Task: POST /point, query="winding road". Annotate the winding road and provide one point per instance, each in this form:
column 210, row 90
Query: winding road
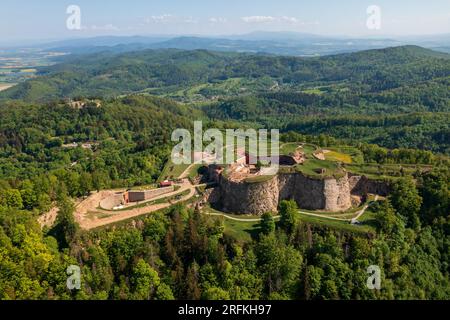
column 352, row 220
column 236, row 219
column 86, row 213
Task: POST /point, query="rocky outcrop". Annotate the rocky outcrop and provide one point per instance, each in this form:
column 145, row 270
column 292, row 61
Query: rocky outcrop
column 328, row 194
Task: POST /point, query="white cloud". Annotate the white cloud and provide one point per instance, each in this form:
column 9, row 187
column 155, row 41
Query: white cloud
column 170, row 18
column 264, row 19
column 258, row 19
column 289, row 19
column 190, row 20
column 106, row 27
column 161, row 18
column 217, row 20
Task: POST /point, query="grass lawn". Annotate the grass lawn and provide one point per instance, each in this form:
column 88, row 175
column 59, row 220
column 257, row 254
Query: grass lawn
column 369, row 219
column 145, row 187
column 355, row 154
column 385, row 171
column 193, row 172
column 259, row 179
column 291, row 147
column 339, row 214
column 309, row 167
column 246, row 231
column 337, row 156
column 335, row 224
column 172, row 171
column 316, row 91
column 241, row 231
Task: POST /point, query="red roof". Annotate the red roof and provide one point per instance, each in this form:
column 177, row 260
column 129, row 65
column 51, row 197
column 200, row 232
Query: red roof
column 166, row 183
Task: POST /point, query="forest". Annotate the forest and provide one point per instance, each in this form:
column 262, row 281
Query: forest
column 396, row 97
column 392, row 105
column 180, row 254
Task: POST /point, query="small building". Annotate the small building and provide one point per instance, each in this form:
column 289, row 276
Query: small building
column 165, row 183
column 136, row 196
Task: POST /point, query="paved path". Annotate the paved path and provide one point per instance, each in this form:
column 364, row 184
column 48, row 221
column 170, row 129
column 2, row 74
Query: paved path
column 360, row 213
column 352, row 220
column 236, row 219
column 322, row 216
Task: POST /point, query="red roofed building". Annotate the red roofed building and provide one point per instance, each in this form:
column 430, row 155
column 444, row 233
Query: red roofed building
column 165, row 183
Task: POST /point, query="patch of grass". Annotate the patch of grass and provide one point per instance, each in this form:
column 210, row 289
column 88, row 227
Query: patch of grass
column 242, row 231
column 193, row 172
column 126, row 222
column 335, row 224
column 239, row 230
column 310, row 167
column 291, row 147
column 385, row 171
column 355, row 154
column 172, row 171
column 369, row 219
column 208, row 208
column 338, row 156
column 337, row 214
column 145, row 187
column 201, row 190
column 259, row 179
column 316, row 91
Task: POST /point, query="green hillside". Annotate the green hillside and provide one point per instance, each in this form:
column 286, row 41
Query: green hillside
column 107, row 74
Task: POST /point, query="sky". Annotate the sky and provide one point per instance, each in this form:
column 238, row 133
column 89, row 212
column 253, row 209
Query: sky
column 47, row 19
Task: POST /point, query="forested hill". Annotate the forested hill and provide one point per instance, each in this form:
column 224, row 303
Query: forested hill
column 126, row 139
column 107, row 74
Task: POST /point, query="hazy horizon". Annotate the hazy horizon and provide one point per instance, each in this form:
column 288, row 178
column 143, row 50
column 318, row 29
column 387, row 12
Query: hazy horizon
column 22, row 20
column 38, row 41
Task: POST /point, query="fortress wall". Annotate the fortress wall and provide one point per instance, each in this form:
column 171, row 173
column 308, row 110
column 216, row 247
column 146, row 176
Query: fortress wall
column 308, row 193
column 135, row 196
column 361, row 185
column 337, row 194
column 248, row 198
column 328, row 194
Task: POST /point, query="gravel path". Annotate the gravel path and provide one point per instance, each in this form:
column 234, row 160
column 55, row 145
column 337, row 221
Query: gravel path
column 90, row 205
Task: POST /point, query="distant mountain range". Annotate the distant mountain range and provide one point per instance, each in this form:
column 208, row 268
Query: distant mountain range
column 278, row 43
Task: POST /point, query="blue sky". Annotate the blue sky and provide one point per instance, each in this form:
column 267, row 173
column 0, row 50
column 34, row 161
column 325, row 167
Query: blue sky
column 46, row 19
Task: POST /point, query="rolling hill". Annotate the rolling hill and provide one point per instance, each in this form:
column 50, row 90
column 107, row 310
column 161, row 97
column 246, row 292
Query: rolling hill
column 108, row 74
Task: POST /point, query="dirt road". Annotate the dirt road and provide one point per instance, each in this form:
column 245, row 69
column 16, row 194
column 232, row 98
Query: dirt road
column 89, row 216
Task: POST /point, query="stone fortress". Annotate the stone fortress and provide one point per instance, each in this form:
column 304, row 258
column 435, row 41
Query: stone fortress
column 243, row 189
